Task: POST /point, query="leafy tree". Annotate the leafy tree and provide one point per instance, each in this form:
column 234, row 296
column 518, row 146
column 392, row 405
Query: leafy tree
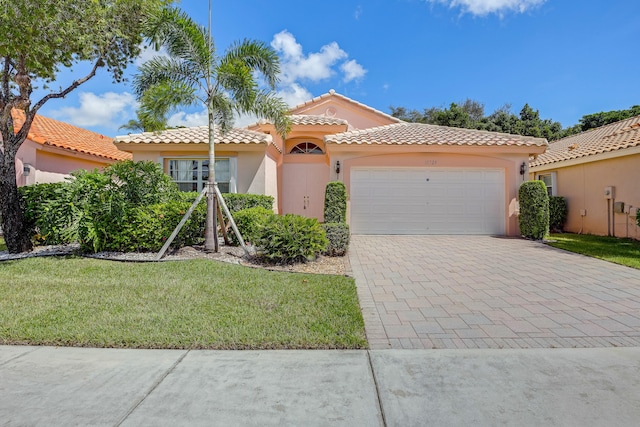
column 194, row 73
column 470, row 115
column 39, row 38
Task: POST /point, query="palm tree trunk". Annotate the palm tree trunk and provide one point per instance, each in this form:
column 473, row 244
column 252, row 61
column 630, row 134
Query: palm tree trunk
column 211, row 228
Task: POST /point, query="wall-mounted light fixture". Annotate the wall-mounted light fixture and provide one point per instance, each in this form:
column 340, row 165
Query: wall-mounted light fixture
column 338, row 167
column 523, row 168
column 26, row 170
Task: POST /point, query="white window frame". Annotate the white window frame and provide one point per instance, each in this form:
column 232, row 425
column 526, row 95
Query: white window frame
column 233, row 171
column 552, row 188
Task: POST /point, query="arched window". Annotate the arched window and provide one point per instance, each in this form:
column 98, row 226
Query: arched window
column 306, row 148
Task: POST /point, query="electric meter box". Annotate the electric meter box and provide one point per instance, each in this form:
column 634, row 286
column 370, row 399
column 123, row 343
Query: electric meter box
column 609, row 192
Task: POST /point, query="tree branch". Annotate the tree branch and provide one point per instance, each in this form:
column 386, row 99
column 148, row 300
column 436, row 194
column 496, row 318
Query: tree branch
column 32, row 112
column 99, row 63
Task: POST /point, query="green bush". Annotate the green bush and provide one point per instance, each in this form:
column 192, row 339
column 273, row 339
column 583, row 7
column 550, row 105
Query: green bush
column 148, row 227
column 338, row 237
column 534, row 210
column 557, row 213
column 291, row 238
column 93, row 208
column 250, row 223
column 237, row 202
column 335, row 202
column 37, row 198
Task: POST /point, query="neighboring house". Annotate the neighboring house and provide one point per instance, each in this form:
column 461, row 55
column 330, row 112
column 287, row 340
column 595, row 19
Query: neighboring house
column 53, row 149
column 402, row 178
column 596, row 170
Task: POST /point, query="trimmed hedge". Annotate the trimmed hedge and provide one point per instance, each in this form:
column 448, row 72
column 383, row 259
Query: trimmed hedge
column 335, row 202
column 534, row 210
column 237, row 202
column 148, row 227
column 557, row 213
column 338, row 236
column 250, row 223
column 291, row 238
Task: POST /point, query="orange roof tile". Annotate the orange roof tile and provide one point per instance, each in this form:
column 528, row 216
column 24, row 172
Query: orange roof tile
column 195, row 135
column 54, row 133
column 423, row 134
column 611, row 137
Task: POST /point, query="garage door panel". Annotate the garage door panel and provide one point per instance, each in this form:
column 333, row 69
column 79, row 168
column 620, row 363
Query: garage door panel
column 427, row 201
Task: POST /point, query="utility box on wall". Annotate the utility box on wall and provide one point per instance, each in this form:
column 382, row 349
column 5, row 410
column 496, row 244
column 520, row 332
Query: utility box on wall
column 609, row 192
column 618, row 207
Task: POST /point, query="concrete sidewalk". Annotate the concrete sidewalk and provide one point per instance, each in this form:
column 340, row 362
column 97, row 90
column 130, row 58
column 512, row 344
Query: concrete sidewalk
column 80, row 386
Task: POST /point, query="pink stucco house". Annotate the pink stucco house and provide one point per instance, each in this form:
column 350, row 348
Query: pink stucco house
column 598, row 172
column 402, row 178
column 53, row 149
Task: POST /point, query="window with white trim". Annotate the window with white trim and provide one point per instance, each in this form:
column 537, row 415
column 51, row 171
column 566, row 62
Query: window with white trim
column 192, row 174
column 549, row 180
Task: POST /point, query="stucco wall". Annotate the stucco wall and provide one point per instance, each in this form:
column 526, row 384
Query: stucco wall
column 357, row 116
column 583, row 186
column 50, row 164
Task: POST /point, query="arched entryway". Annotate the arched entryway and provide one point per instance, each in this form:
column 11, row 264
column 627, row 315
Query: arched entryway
column 305, row 174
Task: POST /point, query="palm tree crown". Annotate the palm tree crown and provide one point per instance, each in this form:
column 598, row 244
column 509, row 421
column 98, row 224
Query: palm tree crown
column 194, row 74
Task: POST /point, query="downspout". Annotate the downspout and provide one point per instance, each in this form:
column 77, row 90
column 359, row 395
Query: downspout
column 613, row 217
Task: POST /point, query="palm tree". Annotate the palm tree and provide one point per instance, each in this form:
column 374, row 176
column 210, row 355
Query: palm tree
column 193, row 73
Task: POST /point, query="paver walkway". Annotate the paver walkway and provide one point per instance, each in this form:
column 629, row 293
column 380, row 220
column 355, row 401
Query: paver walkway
column 486, row 292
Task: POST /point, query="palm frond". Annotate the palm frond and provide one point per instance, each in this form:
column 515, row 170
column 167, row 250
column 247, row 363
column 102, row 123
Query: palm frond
column 183, row 38
column 258, row 56
column 273, row 108
column 162, row 69
column 223, row 106
column 161, row 99
column 237, row 79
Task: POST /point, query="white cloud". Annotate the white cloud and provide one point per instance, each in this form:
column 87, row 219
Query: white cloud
column 99, row 110
column 296, row 65
column 352, row 70
column 358, row 12
column 485, row 7
column 147, row 53
column 294, row 95
column 199, row 118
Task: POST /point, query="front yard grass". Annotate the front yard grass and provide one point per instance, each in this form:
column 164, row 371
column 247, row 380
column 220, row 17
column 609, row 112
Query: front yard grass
column 3, row 246
column 613, row 249
column 199, row 304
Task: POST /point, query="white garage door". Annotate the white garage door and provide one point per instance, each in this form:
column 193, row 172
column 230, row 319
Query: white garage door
column 427, row 201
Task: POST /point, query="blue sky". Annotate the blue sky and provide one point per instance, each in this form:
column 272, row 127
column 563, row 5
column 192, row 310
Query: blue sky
column 565, row 58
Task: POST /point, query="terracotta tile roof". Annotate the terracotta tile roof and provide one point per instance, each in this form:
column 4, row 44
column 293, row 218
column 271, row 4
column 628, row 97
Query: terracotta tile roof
column 195, row 135
column 423, row 134
column 333, row 93
column 54, row 133
column 308, row 120
column 303, row 119
column 612, row 137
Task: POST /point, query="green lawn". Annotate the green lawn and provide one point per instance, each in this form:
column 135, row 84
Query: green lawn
column 620, row 251
column 186, row 304
column 3, row 247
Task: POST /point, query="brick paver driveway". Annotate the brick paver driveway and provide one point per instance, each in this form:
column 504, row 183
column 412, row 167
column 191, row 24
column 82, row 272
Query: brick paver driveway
column 487, row 292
